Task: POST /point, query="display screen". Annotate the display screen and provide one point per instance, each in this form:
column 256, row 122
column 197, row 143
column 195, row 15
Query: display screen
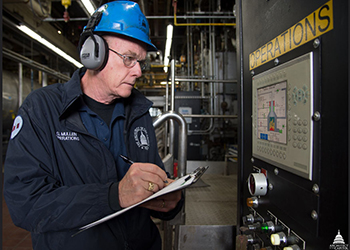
column 271, row 113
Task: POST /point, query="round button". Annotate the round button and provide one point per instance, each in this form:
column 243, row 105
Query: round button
column 275, row 239
column 257, row 184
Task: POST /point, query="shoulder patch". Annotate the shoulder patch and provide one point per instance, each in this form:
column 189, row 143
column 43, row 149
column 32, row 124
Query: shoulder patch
column 17, row 126
column 141, row 138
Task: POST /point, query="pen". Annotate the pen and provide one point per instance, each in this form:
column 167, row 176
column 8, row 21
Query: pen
column 127, row 160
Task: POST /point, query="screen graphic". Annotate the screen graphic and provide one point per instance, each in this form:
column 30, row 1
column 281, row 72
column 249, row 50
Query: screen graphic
column 271, row 111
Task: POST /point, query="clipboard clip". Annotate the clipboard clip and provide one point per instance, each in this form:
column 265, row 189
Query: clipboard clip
column 198, row 173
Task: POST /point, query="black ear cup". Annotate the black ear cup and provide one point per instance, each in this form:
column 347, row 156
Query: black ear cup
column 94, row 53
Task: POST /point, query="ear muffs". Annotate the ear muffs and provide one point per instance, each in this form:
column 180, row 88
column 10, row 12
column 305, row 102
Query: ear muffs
column 94, row 53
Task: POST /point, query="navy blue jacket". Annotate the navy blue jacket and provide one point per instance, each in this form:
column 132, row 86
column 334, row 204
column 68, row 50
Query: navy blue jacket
column 58, row 176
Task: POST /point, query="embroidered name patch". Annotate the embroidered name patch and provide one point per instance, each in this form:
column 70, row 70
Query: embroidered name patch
column 67, row 136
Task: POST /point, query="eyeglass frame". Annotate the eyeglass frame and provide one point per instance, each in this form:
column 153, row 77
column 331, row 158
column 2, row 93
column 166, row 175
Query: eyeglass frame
column 142, row 63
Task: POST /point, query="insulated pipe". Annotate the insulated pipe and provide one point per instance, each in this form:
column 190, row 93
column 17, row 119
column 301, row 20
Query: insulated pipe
column 182, row 157
column 20, row 84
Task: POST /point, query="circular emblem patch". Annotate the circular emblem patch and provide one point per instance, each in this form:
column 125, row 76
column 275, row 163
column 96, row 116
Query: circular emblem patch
column 17, row 125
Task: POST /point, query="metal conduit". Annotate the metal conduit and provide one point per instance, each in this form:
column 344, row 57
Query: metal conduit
column 182, row 157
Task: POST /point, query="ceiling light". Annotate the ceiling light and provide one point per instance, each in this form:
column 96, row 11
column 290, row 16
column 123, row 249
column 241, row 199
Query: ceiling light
column 169, row 38
column 89, row 6
column 49, row 45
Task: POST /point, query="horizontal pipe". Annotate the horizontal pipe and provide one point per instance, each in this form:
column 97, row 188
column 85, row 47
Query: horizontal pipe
column 32, row 64
column 203, row 80
column 50, row 19
column 210, row 116
column 197, row 24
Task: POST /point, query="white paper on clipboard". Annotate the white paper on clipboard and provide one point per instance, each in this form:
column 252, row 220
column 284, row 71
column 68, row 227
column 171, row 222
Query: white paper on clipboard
column 178, row 184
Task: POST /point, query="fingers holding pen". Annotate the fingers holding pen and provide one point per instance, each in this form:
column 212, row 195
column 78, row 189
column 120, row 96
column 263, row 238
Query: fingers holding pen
column 141, row 181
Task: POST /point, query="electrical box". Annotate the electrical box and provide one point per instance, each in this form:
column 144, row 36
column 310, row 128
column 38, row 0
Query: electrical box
column 293, row 189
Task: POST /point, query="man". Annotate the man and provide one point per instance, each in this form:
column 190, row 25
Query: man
column 63, row 170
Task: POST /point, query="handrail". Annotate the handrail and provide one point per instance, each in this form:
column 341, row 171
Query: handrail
column 182, row 152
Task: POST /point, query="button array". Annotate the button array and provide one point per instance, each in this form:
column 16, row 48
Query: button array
column 299, row 133
column 272, row 150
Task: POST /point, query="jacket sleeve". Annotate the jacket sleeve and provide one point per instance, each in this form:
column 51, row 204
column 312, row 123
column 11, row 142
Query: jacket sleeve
column 37, row 199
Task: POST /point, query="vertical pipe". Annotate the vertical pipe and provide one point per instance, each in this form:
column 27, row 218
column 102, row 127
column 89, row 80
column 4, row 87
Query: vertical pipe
column 172, row 106
column 202, row 63
column 20, row 84
column 241, row 152
column 1, row 119
column 189, row 61
column 192, row 55
column 44, row 79
column 165, row 138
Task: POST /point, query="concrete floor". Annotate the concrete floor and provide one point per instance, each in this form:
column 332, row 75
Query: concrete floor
column 214, row 204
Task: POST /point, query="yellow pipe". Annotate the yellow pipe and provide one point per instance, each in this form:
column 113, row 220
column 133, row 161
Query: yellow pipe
column 197, row 24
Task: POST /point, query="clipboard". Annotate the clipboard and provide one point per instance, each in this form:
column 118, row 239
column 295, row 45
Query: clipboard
column 178, row 184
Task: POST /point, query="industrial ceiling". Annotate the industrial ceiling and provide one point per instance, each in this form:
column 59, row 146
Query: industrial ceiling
column 48, row 18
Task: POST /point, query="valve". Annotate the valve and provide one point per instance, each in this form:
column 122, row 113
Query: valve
column 251, row 239
column 251, row 219
column 66, row 4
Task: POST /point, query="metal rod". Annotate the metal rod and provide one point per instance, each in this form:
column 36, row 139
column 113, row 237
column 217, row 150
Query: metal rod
column 204, row 80
column 210, row 116
column 50, row 19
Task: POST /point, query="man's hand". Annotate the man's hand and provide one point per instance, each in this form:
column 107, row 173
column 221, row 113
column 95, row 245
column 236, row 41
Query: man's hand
column 135, row 186
column 164, row 203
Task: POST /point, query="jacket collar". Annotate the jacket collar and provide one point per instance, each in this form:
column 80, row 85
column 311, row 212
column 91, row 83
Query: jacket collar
column 135, row 105
column 72, row 91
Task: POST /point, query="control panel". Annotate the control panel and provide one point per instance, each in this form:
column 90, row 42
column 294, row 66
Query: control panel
column 282, row 111
column 267, row 232
column 264, row 230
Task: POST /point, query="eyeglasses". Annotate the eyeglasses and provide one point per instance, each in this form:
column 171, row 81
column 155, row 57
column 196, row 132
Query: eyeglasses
column 130, row 61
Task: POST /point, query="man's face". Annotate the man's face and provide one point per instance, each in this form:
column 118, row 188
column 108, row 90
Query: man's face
column 116, row 78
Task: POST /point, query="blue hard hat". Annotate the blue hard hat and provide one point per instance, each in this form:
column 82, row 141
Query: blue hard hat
column 125, row 18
